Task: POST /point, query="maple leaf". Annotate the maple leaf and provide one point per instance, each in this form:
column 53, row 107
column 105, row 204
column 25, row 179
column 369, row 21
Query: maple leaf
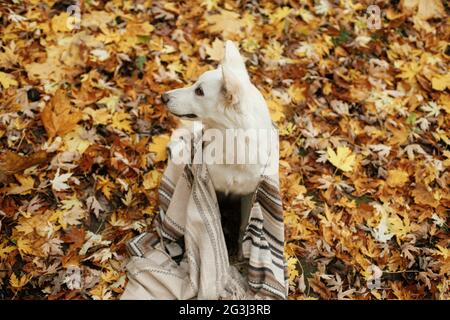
column 52, row 247
column 110, row 275
column 72, row 278
column 75, row 236
column 99, row 116
column 7, row 80
column 60, row 23
column 216, row 51
column 159, row 147
column 121, row 121
column 342, row 159
column 93, row 204
column 226, row 22
column 292, row 269
column 17, row 283
column 100, row 292
column 397, row 178
column 11, row 162
column 58, row 116
column 25, row 187
column 426, row 9
column 101, row 256
column 59, row 181
column 74, row 141
column 72, row 213
column 151, row 179
column 24, row 246
column 92, row 239
column 441, row 82
column 276, row 109
column 105, row 185
column 5, row 250
column 210, row 4
column 128, row 198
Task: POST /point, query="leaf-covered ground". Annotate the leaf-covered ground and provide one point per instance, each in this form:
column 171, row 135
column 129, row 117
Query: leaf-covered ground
column 363, row 113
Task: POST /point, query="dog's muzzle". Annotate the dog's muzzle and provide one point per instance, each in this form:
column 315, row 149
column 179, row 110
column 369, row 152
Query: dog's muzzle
column 166, row 98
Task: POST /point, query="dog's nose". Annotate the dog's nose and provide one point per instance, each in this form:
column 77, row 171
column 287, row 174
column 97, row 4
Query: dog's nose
column 165, row 97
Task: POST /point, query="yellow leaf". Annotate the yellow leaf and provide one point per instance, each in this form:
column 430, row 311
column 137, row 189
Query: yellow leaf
column 292, row 269
column 250, row 44
column 99, row 116
column 276, row 109
column 216, row 51
column 105, row 185
column 443, row 251
column 18, row 283
column 24, row 246
column 430, row 9
column 226, row 22
column 279, row 14
column 342, row 159
column 158, row 146
column 110, row 276
column 176, row 66
column 441, row 82
column 5, row 250
column 296, row 93
column 446, row 162
column 121, row 121
column 151, row 179
column 60, row 23
column 397, row 178
column 210, row 4
column 74, row 142
column 25, row 187
column 7, row 80
column 327, row 88
column 111, row 102
column 397, row 226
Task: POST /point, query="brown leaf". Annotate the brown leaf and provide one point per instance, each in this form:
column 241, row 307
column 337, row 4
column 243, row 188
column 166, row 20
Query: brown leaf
column 75, row 236
column 58, row 116
column 320, row 288
column 11, row 163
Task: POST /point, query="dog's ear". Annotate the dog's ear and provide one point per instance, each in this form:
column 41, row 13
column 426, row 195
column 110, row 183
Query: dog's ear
column 234, row 73
column 231, row 85
column 233, row 59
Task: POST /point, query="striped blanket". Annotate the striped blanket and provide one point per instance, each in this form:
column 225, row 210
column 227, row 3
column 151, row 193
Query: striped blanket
column 186, row 258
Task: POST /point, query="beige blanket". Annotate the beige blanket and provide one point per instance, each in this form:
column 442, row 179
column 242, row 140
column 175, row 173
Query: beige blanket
column 187, row 256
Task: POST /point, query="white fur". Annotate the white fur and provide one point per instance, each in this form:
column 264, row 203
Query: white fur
column 230, row 101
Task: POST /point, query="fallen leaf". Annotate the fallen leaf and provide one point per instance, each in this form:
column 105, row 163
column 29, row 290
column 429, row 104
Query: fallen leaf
column 159, row 147
column 343, row 159
column 7, row 80
column 59, row 181
column 397, row 178
column 58, row 116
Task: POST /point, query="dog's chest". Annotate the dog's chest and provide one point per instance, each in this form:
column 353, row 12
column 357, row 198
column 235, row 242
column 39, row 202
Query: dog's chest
column 235, row 179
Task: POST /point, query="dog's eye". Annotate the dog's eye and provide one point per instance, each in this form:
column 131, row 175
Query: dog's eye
column 199, row 91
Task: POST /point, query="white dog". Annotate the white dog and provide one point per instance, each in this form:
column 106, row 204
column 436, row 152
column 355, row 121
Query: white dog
column 223, row 99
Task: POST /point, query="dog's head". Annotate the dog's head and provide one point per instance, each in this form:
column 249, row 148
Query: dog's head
column 214, row 92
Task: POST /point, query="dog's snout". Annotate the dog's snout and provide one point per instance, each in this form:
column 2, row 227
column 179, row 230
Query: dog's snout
column 165, row 97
